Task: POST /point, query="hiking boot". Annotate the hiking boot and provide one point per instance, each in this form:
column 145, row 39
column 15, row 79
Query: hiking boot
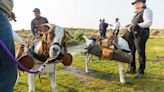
column 138, row 75
column 130, row 71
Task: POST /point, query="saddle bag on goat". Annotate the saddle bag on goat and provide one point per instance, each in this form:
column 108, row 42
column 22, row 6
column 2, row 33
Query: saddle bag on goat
column 105, row 42
column 67, row 60
column 121, row 56
column 24, row 59
column 111, row 54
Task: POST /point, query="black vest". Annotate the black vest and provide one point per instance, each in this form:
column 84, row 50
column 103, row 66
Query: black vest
column 138, row 18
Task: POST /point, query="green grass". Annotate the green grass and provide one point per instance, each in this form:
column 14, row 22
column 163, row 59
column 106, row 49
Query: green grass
column 104, row 76
column 155, row 47
column 108, row 71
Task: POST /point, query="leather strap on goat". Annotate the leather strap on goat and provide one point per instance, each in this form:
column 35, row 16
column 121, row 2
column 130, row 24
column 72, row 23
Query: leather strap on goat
column 35, row 55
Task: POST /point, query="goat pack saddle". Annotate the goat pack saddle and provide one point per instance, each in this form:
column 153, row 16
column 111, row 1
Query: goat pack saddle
column 102, row 50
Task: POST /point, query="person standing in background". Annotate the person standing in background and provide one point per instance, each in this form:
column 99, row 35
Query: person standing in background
column 36, row 23
column 8, row 69
column 12, row 17
column 116, row 27
column 103, row 28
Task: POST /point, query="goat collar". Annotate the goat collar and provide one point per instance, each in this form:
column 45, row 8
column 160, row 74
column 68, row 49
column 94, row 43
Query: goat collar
column 38, row 57
column 43, row 59
column 56, row 44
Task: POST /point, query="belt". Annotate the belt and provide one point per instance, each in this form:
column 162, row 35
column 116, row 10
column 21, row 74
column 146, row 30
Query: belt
column 4, row 13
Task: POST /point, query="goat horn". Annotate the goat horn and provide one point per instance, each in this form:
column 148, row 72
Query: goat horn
column 48, row 25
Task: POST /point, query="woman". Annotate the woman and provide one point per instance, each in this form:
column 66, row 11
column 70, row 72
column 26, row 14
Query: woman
column 140, row 26
column 15, row 35
column 8, row 69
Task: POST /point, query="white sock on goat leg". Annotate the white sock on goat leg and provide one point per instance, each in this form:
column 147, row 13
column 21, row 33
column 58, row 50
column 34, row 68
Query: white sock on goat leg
column 53, row 79
column 121, row 72
column 31, row 82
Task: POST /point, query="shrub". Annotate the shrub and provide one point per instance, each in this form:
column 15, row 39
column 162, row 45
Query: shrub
column 78, row 35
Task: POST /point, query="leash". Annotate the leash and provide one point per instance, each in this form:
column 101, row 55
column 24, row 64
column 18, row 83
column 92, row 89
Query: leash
column 42, row 67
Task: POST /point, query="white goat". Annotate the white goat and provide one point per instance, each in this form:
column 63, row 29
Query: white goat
column 122, row 44
column 56, row 48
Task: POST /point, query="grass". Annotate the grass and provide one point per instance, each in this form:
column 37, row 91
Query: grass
column 104, row 76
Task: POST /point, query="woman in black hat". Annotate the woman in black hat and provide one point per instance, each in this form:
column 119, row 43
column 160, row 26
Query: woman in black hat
column 141, row 23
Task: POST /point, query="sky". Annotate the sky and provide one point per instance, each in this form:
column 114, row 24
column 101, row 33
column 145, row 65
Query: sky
column 83, row 13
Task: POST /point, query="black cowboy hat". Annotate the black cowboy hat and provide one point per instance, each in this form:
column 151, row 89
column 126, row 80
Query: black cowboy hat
column 143, row 1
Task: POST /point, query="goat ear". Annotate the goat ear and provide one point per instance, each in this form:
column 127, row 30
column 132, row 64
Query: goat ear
column 43, row 48
column 44, row 37
column 48, row 25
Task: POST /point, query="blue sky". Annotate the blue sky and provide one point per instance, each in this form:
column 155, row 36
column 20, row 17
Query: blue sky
column 82, row 13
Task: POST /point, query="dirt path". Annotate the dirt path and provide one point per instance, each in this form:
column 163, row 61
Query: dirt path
column 81, row 74
column 74, row 50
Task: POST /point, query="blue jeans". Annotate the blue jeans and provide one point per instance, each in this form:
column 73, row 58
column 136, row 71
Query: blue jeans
column 8, row 69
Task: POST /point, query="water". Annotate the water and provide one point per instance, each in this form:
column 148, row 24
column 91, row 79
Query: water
column 76, row 49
